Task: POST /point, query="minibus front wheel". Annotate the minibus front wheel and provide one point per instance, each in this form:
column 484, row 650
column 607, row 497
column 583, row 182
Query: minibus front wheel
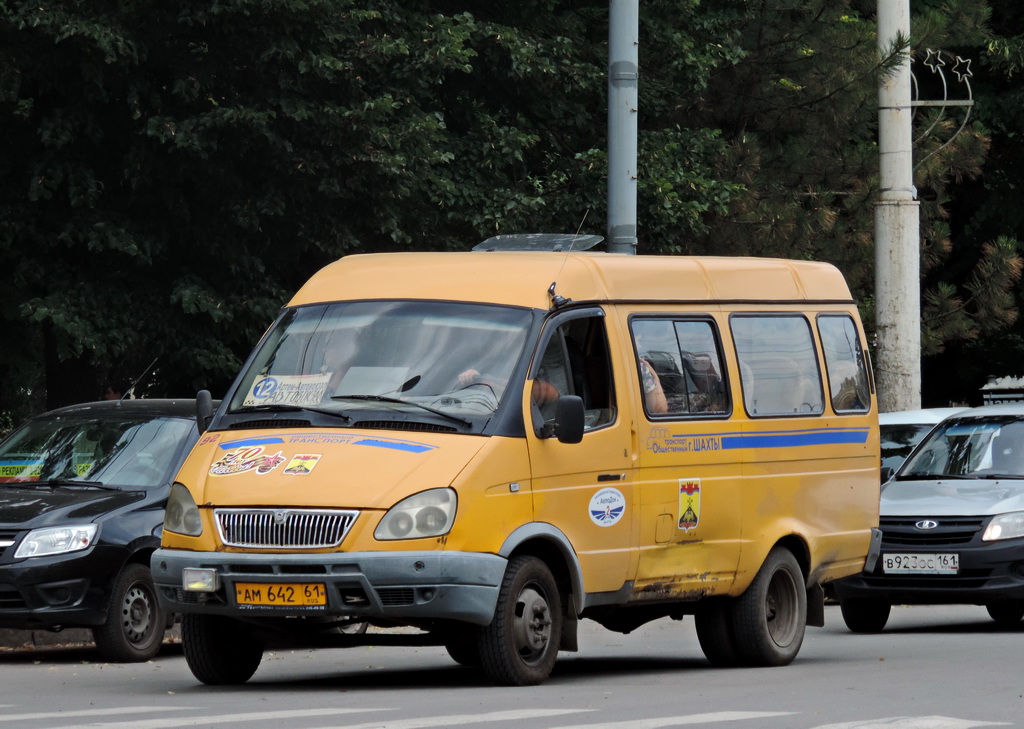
column 520, row 645
column 770, row 618
column 219, row 650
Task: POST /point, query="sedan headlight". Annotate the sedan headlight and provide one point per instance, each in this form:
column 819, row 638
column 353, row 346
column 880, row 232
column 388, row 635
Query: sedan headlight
column 1004, row 526
column 57, row 540
column 426, row 514
column 182, row 515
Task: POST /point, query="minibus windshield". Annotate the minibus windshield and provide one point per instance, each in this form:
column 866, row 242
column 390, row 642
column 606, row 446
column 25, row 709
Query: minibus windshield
column 395, row 356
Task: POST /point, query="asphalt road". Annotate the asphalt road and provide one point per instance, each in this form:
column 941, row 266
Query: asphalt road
column 944, row 667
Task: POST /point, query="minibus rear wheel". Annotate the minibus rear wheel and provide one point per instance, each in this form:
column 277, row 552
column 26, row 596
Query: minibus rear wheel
column 770, row 618
column 714, row 624
column 220, row 651
column 520, row 645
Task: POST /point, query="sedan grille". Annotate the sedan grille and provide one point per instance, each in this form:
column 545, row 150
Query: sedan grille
column 283, row 528
column 950, row 530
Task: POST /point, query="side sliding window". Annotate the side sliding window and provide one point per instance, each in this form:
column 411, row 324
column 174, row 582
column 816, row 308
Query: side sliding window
column 778, row 364
column 679, row 367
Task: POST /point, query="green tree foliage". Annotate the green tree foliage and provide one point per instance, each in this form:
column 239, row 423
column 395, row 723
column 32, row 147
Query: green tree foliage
column 173, row 172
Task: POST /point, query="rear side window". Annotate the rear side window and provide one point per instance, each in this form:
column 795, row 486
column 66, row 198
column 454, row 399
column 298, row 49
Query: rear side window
column 846, row 364
column 778, row 365
column 679, row 365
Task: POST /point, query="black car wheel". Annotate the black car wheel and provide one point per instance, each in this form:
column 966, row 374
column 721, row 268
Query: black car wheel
column 1008, row 612
column 865, row 614
column 135, row 623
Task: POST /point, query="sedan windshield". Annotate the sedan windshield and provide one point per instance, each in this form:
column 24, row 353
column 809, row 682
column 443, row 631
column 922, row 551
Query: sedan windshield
column 92, row 449
column 432, row 358
column 988, row 447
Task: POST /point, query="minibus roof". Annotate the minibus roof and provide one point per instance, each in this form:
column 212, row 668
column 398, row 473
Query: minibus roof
column 522, row 278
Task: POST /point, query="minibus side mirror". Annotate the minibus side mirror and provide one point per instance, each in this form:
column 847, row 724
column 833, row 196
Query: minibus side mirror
column 887, row 473
column 204, row 410
column 569, row 419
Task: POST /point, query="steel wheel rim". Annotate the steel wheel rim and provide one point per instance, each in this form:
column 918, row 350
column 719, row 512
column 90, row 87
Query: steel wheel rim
column 531, row 624
column 780, row 608
column 137, row 614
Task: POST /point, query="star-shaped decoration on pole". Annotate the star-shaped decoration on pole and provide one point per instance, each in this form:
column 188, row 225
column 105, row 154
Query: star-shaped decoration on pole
column 933, row 60
column 962, row 69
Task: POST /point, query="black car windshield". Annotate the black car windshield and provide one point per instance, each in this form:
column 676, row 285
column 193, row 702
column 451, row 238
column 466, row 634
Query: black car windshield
column 396, row 356
column 111, row 448
column 974, row 447
column 899, row 440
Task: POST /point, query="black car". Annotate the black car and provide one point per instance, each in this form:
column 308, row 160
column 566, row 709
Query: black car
column 952, row 521
column 82, row 494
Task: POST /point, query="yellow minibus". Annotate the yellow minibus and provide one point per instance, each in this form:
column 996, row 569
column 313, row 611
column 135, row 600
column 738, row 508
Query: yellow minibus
column 482, row 448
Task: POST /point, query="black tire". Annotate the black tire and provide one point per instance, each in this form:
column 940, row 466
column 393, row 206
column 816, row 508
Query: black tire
column 220, row 651
column 135, row 625
column 1008, row 612
column 520, row 645
column 714, row 623
column 770, row 618
column 463, row 646
column 865, row 614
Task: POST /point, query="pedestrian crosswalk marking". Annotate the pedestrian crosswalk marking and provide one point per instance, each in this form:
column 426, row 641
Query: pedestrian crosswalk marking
column 112, row 711
column 681, row 720
column 912, row 722
column 208, row 720
column 427, row 722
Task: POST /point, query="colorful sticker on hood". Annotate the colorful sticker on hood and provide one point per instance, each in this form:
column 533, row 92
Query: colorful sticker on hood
column 607, row 507
column 302, row 464
column 689, row 503
column 243, row 460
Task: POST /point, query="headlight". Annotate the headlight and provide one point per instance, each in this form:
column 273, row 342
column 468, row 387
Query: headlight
column 1004, row 526
column 57, row 540
column 182, row 515
column 426, row 514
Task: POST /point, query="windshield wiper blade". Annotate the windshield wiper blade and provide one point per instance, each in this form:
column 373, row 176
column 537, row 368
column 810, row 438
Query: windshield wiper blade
column 996, row 476
column 72, row 483
column 931, row 476
column 399, row 401
column 289, row 409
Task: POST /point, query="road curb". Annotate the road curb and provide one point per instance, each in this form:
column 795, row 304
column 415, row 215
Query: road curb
column 29, row 639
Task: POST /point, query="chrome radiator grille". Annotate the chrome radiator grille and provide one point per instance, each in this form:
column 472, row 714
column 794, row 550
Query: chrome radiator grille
column 283, row 528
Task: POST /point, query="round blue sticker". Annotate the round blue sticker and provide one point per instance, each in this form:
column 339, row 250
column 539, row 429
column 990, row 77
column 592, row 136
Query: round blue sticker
column 607, row 507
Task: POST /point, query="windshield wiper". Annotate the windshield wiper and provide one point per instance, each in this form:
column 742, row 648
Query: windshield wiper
column 288, row 409
column 931, row 476
column 72, row 483
column 998, row 475
column 398, row 401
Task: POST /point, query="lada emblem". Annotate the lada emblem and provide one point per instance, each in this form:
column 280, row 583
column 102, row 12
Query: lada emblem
column 280, row 517
column 926, row 524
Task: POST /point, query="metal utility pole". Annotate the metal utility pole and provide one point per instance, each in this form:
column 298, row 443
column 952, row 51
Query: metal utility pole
column 897, row 225
column 623, row 65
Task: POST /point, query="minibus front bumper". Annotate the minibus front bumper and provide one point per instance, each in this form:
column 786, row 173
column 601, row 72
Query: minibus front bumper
column 459, row 586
